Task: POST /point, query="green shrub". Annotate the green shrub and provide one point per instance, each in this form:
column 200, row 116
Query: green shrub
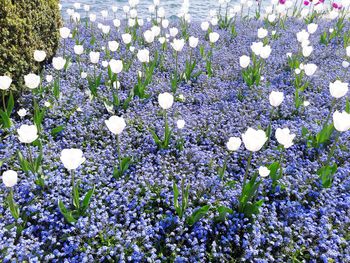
column 27, row 25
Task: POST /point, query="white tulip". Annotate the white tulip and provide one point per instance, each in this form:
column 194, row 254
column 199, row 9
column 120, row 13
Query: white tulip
column 244, row 61
column 5, row 82
column 256, row 47
column 307, row 50
column 83, row 75
column 131, row 22
column 193, row 41
column 348, row 51
column 205, row 26
column 116, row 66
column 94, row 57
column 32, row 81
column 148, row 36
column 180, row 124
column 86, row 8
column 22, row 112
column 311, row 28
column 165, row 23
column 276, row 98
column 113, row 45
column 39, row 55
column 143, row 55
column 126, row 38
column 338, row 89
column 58, row 63
column 310, row 69
column 78, row 49
column 271, row 18
column 27, row 133
column 92, row 17
column 306, row 103
column 47, row 104
column 64, row 32
column 173, row 31
column 233, row 143
column 9, row 178
column 264, row 171
column 262, row 32
column 254, row 140
column 341, row 121
column 116, row 22
column 165, row 100
column 105, row 63
column 178, row 44
column 72, row 158
column 213, row 37
column 104, row 13
column 302, row 36
column 345, row 64
column 265, row 52
column 284, row 137
column 115, row 124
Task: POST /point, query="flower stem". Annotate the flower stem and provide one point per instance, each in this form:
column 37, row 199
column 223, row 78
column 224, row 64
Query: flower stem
column 247, row 168
column 118, row 151
column 331, row 152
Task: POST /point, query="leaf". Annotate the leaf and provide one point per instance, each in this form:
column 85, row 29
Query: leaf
column 23, row 162
column 176, row 200
column 87, row 199
column 6, row 121
column 57, row 130
column 197, row 215
column 75, row 193
column 67, row 214
column 155, row 137
column 223, row 211
column 10, row 104
column 324, row 135
column 125, row 164
column 326, row 174
column 12, row 205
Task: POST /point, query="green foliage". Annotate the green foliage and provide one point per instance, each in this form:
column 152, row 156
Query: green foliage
column 326, row 174
column 24, row 27
column 79, row 207
column 247, row 203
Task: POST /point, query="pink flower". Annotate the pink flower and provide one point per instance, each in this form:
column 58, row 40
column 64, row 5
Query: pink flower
column 306, row 3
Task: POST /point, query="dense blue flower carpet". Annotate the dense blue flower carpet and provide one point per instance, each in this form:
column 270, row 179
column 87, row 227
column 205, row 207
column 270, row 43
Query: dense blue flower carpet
column 157, row 141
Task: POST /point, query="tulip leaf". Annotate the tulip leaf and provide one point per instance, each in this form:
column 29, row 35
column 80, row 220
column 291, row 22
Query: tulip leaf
column 87, row 199
column 57, row 130
column 223, row 211
column 324, row 135
column 197, row 215
column 10, row 104
column 326, row 174
column 66, row 214
column 75, row 194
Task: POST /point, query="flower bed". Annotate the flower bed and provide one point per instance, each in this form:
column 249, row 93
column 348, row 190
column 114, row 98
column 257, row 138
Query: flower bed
column 171, row 164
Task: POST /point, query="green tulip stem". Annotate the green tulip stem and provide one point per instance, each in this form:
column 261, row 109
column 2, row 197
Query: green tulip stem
column 30, row 154
column 3, row 100
column 118, row 151
column 329, row 113
column 331, row 152
column 247, row 168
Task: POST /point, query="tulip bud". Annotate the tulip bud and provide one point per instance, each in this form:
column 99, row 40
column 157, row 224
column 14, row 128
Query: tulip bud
column 338, row 89
column 165, row 100
column 27, row 133
column 276, row 98
column 341, row 121
column 72, row 158
column 58, row 63
column 193, row 42
column 143, row 55
column 180, row 124
column 9, row 178
column 244, row 61
column 284, row 137
column 213, row 37
column 94, row 57
column 64, row 32
column 310, row 69
column 78, row 49
column 5, row 82
column 264, row 171
column 115, row 124
column 32, row 81
column 254, row 140
column 233, row 143
column 39, row 55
